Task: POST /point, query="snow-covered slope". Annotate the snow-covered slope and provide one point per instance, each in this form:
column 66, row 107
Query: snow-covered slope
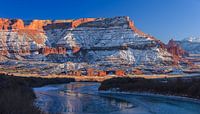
column 192, row 39
column 191, row 45
column 95, row 41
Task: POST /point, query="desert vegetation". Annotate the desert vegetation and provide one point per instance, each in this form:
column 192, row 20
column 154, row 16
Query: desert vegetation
column 17, row 96
column 188, row 87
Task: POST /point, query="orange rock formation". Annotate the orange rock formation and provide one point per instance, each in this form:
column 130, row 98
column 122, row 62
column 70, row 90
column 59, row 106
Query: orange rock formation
column 47, row 50
column 176, row 51
column 119, row 73
column 78, row 22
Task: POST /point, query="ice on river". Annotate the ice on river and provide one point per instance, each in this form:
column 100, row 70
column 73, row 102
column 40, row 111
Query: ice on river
column 84, row 98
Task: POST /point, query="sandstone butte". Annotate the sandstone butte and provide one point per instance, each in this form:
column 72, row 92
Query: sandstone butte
column 35, row 27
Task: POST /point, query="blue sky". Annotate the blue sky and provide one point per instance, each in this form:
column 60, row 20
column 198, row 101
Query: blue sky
column 164, row 19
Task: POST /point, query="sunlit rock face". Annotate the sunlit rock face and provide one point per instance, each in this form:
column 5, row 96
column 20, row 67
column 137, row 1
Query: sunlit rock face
column 98, row 41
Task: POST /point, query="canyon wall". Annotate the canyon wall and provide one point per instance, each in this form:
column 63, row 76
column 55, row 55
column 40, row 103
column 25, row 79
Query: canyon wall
column 100, row 42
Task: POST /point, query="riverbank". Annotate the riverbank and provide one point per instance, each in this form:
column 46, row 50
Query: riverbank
column 98, row 78
column 17, row 96
column 186, row 87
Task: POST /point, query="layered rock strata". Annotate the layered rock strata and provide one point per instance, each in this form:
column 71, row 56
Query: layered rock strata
column 100, row 42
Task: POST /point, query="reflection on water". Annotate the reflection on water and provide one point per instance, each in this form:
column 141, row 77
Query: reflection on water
column 84, row 98
column 79, row 98
column 92, row 104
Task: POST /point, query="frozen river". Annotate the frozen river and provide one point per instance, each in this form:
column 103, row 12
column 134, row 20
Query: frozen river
column 84, row 98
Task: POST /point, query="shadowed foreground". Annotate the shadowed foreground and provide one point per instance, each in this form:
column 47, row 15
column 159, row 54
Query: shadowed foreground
column 17, row 96
column 189, row 87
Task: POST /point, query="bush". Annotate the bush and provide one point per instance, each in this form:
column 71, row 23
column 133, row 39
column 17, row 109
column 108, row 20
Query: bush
column 189, row 87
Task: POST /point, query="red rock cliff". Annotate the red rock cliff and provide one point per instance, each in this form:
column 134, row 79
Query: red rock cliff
column 38, row 24
column 13, row 24
column 176, row 51
column 78, row 22
column 17, row 24
column 4, row 24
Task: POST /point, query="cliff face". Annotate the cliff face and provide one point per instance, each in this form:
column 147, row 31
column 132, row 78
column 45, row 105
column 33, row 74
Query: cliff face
column 176, row 50
column 18, row 24
column 192, row 46
column 96, row 41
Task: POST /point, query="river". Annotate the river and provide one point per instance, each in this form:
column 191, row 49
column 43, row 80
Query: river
column 84, row 98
